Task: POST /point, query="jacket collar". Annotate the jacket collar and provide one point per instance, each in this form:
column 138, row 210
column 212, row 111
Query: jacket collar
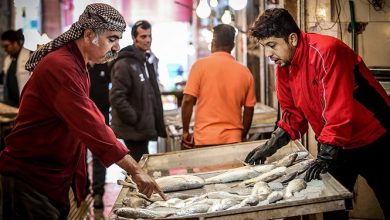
column 72, row 47
column 299, row 50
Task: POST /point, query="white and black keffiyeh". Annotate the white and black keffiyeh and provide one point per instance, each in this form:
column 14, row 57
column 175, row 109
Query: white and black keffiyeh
column 95, row 16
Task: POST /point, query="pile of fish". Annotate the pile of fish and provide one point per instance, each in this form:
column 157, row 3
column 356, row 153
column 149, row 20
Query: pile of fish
column 259, row 185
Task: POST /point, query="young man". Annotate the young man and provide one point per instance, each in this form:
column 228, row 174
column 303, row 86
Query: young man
column 14, row 73
column 45, row 152
column 137, row 112
column 220, row 87
column 321, row 81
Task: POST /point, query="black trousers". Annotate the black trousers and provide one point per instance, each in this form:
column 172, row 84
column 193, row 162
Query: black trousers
column 371, row 162
column 18, row 200
column 98, row 176
column 137, row 148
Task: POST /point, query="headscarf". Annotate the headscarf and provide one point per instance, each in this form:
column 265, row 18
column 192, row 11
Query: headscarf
column 95, row 16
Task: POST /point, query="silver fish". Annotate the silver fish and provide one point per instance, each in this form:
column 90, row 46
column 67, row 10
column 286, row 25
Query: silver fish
column 135, row 202
column 275, row 196
column 129, row 212
column 179, row 182
column 222, row 195
column 261, row 190
column 293, row 171
column 223, row 204
column 266, row 177
column 171, row 203
column 293, row 186
column 239, row 174
column 286, row 161
column 302, row 155
column 249, row 201
column 193, row 209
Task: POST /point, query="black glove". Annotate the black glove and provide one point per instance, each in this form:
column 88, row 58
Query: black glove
column 327, row 155
column 278, row 139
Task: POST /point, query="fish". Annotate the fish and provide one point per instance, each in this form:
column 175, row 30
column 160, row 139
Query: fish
column 293, row 186
column 165, row 211
column 222, row 195
column 266, row 177
column 179, row 182
column 261, row 190
column 223, row 204
column 286, row 161
column 193, row 209
column 129, row 212
column 294, row 171
column 249, row 201
column 302, row 155
column 171, row 203
column 238, row 174
column 135, row 202
column 275, row 196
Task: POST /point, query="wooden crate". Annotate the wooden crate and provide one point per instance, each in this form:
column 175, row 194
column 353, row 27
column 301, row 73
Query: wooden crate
column 204, row 161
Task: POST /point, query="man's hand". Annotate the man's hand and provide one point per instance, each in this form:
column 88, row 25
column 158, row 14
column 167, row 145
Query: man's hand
column 327, row 155
column 278, row 139
column 147, row 185
column 187, row 141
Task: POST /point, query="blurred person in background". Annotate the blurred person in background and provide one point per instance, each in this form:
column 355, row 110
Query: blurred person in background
column 45, row 153
column 223, row 92
column 14, row 75
column 322, row 81
column 137, row 111
column 98, row 92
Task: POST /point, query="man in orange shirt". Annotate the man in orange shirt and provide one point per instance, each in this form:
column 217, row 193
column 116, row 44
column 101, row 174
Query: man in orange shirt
column 219, row 86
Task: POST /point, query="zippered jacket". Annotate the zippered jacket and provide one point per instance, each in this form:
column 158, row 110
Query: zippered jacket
column 329, row 86
column 137, row 112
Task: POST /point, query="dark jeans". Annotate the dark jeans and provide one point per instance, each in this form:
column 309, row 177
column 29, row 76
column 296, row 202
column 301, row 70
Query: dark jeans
column 98, row 177
column 137, row 148
column 18, row 200
column 371, row 162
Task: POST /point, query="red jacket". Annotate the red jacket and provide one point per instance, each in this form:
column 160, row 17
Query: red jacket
column 55, row 124
column 318, row 87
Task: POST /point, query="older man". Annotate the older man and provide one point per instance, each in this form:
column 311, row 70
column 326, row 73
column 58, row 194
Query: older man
column 45, row 153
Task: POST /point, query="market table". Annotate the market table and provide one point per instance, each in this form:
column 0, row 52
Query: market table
column 7, row 117
column 208, row 160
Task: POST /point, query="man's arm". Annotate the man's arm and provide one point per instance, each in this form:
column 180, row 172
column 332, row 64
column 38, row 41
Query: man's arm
column 146, row 184
column 186, row 114
column 247, row 121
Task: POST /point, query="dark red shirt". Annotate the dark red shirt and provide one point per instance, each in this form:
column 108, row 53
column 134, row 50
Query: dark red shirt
column 55, row 124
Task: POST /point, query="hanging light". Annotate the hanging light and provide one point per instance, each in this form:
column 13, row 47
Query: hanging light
column 213, row 3
column 238, row 4
column 203, row 10
column 226, row 17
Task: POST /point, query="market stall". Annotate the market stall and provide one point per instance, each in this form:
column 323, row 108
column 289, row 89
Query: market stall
column 210, row 161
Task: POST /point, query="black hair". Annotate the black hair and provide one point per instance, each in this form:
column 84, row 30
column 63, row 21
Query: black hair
column 12, row 36
column 223, row 36
column 143, row 24
column 276, row 22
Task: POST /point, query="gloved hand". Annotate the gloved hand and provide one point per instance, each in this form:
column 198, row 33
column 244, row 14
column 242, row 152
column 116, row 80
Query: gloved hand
column 278, row 139
column 327, row 155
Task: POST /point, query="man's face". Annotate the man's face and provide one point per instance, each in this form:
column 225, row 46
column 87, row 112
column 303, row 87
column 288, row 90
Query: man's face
column 143, row 41
column 278, row 50
column 10, row 47
column 104, row 47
